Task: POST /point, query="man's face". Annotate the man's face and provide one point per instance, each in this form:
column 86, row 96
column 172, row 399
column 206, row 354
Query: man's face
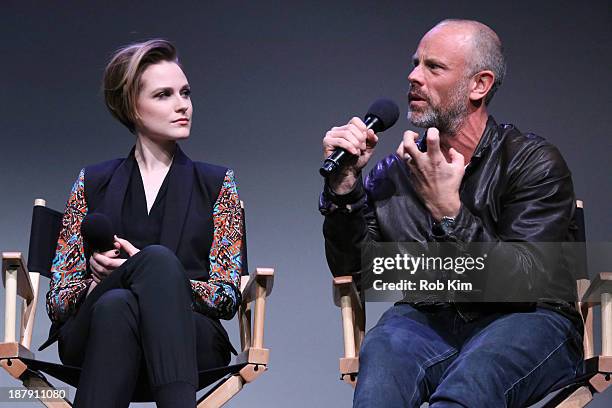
column 439, row 85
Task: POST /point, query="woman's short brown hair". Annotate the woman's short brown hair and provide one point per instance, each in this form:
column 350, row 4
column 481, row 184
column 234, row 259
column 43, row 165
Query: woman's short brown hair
column 121, row 83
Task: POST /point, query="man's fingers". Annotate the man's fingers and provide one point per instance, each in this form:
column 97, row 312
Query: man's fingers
column 358, row 123
column 400, row 151
column 409, row 146
column 359, row 136
column 354, row 132
column 433, row 143
column 457, row 158
column 343, row 139
column 372, row 139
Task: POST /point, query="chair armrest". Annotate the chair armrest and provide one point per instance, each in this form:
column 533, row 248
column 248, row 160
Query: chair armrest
column 601, row 284
column 600, row 291
column 18, row 281
column 257, row 288
column 347, row 298
column 586, row 312
column 13, row 261
column 262, row 277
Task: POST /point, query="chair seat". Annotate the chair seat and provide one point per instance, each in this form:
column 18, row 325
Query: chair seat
column 142, row 393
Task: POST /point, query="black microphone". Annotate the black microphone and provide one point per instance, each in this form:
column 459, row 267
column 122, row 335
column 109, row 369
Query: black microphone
column 97, row 232
column 381, row 116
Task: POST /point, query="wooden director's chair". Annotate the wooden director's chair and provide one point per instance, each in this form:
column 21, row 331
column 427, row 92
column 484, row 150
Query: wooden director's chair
column 598, row 369
column 18, row 359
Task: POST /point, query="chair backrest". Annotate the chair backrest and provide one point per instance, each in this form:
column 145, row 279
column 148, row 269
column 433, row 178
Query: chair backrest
column 580, row 253
column 245, row 262
column 46, row 225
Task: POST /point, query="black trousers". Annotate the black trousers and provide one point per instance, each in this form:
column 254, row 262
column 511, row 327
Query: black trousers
column 137, row 328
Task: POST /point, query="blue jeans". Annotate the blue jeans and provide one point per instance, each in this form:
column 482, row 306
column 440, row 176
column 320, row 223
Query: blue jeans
column 501, row 360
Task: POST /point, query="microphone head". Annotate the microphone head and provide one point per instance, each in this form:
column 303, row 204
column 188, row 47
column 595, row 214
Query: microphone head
column 97, row 231
column 386, row 111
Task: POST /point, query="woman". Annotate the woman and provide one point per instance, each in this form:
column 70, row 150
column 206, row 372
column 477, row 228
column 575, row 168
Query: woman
column 148, row 309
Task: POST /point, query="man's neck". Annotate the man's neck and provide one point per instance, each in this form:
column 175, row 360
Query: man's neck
column 467, row 137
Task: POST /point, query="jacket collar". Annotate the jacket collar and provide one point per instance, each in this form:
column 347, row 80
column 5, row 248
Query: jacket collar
column 489, row 134
column 180, row 185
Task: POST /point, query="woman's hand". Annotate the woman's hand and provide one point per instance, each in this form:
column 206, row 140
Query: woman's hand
column 127, row 246
column 102, row 264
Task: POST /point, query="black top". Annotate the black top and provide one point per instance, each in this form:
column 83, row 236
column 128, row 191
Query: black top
column 139, row 227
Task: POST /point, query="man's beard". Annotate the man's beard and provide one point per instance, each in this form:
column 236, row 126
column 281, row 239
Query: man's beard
column 446, row 118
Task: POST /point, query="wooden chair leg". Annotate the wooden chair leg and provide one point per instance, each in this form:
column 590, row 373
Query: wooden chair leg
column 600, row 382
column 578, row 399
column 37, row 383
column 571, row 398
column 231, row 386
column 17, row 369
column 222, row 393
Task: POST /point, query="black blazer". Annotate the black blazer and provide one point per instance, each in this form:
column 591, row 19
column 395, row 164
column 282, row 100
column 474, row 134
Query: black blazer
column 187, row 227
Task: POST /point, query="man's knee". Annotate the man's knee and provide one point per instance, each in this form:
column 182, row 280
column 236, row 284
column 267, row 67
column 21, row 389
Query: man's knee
column 382, row 353
column 375, row 349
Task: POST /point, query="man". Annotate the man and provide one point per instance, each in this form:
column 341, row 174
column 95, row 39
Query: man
column 477, row 182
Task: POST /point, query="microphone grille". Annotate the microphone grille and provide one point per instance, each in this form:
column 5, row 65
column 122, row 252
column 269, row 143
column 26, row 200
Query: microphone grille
column 386, row 111
column 97, row 232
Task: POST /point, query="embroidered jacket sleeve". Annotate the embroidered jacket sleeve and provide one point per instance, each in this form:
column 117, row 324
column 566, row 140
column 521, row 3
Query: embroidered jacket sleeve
column 220, row 296
column 69, row 281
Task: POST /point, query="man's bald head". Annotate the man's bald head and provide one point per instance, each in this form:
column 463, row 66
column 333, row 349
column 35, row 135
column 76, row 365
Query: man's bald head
column 485, row 51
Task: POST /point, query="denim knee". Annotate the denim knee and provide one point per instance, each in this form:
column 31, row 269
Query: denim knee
column 378, row 353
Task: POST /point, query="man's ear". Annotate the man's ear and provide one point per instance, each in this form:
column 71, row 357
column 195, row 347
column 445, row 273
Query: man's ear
column 481, row 85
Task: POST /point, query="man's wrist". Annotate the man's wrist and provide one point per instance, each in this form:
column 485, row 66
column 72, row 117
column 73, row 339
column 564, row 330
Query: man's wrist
column 444, row 227
column 343, row 184
column 445, row 220
column 450, row 210
column 352, row 201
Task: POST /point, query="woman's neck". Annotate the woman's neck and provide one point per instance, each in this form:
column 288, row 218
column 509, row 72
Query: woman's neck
column 153, row 156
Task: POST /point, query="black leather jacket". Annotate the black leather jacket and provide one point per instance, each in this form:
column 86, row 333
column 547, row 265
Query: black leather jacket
column 517, row 187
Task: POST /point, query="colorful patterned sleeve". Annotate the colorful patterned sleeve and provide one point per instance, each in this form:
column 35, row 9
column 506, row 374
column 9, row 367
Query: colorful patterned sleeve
column 220, row 296
column 69, row 269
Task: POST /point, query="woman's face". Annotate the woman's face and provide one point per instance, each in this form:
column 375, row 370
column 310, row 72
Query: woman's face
column 164, row 103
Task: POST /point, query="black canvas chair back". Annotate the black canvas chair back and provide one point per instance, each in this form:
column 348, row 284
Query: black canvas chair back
column 46, row 225
column 245, row 262
column 578, row 252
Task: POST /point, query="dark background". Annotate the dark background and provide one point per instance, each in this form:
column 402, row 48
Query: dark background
column 268, row 80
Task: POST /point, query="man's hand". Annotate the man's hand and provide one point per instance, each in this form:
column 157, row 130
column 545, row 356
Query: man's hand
column 435, row 179
column 356, row 139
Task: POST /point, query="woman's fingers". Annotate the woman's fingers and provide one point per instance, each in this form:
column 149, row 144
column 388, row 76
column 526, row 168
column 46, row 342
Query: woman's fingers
column 127, row 246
